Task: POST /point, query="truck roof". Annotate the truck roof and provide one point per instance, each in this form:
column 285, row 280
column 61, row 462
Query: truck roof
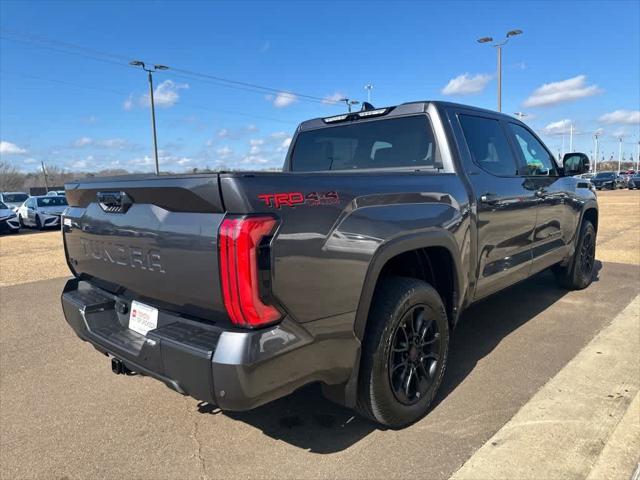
column 419, row 106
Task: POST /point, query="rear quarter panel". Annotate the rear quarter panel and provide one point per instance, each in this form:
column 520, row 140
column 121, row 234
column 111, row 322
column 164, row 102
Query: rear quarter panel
column 322, row 251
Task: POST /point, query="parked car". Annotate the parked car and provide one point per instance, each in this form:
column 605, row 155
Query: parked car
column 42, row 211
column 13, row 200
column 55, row 192
column 634, row 181
column 607, row 180
column 349, row 268
column 8, row 220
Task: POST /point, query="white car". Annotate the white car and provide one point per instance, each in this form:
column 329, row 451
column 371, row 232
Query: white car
column 53, row 193
column 8, row 220
column 13, row 200
column 42, row 211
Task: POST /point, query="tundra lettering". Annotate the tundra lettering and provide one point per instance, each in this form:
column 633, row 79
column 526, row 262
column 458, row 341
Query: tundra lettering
column 120, row 254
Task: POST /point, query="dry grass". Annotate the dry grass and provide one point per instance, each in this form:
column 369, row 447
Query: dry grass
column 31, row 256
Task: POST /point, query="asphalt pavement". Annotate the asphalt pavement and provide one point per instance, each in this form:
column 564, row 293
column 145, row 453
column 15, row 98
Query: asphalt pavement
column 64, row 414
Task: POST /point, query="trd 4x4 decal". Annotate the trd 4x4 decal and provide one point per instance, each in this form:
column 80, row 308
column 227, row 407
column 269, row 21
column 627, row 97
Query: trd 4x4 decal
column 291, row 199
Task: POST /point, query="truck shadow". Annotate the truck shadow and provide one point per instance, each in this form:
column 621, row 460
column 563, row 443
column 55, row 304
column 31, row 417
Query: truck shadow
column 307, row 420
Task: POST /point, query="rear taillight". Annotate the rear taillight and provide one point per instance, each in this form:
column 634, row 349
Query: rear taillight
column 240, row 240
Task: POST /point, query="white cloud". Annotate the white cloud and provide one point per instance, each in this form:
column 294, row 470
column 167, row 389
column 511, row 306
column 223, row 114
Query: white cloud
column 251, row 128
column 557, row 128
column 224, row 152
column 466, row 84
column 279, row 135
column 166, row 93
column 621, row 117
column 83, row 142
column 118, row 143
column 129, row 103
column 256, row 141
column 285, row 144
column 223, row 133
column 282, row 99
column 183, row 161
column 562, row 91
column 8, row 148
column 333, row 98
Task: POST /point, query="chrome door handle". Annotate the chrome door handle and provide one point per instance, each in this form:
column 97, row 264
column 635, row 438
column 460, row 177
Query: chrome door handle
column 541, row 193
column 489, row 198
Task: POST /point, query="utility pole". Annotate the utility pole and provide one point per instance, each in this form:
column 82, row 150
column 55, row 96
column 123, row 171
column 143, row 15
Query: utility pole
column 44, row 173
column 150, row 71
column 595, row 163
column 571, row 138
column 499, row 45
column 619, row 153
column 368, row 87
column 638, row 159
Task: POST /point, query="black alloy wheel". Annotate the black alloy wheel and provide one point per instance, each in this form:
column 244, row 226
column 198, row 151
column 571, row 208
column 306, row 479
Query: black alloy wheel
column 414, row 356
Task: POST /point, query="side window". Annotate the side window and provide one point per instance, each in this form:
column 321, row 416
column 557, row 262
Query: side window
column 488, row 145
column 535, row 156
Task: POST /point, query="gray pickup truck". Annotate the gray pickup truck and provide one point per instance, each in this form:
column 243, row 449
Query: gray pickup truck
column 349, row 268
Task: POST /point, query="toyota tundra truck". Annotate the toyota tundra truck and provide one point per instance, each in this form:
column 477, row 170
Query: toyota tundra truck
column 349, row 268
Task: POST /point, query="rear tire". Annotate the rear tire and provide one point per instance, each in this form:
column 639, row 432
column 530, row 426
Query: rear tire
column 578, row 274
column 404, row 352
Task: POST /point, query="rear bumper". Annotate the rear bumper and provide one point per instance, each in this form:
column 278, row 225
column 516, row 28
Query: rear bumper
column 233, row 369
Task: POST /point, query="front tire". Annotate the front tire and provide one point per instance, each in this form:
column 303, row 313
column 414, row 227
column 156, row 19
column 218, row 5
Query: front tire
column 404, row 352
column 578, row 274
column 39, row 225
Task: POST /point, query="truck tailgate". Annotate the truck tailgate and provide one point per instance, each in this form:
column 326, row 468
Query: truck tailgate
column 151, row 238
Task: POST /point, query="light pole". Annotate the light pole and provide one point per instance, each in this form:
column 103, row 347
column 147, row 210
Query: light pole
column 571, row 138
column 368, row 87
column 349, row 102
column 150, row 71
column 619, row 153
column 638, row 159
column 499, row 45
column 595, row 162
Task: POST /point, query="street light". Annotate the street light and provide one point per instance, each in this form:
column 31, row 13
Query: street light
column 499, row 45
column 150, row 71
column 520, row 115
column 349, row 102
column 368, row 87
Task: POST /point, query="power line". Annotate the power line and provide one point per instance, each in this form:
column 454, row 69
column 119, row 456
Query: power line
column 68, row 48
column 121, row 93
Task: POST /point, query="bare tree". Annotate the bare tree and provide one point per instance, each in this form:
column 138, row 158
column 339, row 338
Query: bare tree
column 10, row 178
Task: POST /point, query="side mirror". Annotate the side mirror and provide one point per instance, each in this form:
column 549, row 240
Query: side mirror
column 575, row 164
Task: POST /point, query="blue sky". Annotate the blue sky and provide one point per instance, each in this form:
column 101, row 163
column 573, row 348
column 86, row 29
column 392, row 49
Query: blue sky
column 68, row 97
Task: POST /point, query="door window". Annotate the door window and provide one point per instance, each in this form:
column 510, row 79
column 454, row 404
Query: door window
column 488, row 145
column 537, row 160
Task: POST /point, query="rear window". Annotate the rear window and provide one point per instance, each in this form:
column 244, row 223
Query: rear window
column 14, row 197
column 388, row 143
column 52, row 201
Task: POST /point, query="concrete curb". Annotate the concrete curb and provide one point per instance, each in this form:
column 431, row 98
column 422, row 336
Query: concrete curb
column 563, row 430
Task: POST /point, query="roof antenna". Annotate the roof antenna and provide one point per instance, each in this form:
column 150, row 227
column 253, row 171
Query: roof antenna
column 367, row 106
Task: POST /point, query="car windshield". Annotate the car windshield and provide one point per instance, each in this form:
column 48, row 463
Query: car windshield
column 52, row 202
column 389, row 143
column 14, row 197
column 604, row 175
column 3, row 206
